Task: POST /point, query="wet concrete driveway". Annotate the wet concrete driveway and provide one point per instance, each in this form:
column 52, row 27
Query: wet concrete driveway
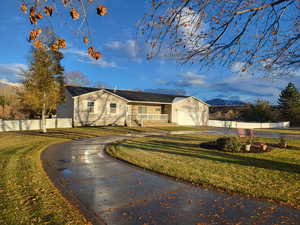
column 111, row 192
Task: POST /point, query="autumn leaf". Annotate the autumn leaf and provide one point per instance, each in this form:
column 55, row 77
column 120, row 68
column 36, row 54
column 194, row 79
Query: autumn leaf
column 54, row 47
column 86, row 40
column 38, row 44
column 24, row 8
column 61, row 43
column 102, row 10
column 48, row 10
column 39, row 16
column 74, row 14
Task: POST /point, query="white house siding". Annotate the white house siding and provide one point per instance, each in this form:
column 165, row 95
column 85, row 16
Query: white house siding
column 101, row 115
column 190, row 112
column 65, row 110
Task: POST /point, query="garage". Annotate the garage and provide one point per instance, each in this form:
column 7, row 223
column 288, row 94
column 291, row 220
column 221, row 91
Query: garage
column 190, row 112
column 184, row 117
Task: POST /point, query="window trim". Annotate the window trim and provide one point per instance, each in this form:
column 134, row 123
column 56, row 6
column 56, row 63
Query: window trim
column 90, row 108
column 143, row 109
column 115, row 107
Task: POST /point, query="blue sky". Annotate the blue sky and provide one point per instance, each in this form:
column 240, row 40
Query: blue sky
column 124, row 64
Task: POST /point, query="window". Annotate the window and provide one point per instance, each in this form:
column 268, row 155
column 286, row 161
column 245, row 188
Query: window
column 90, row 106
column 113, row 108
column 157, row 109
column 142, row 109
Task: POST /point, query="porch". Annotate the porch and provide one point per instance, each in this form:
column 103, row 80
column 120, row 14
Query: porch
column 148, row 114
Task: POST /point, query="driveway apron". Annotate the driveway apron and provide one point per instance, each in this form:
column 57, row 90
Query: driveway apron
column 109, row 191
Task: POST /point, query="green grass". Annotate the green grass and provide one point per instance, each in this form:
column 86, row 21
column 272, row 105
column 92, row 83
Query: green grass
column 27, row 196
column 281, row 131
column 179, row 128
column 273, row 175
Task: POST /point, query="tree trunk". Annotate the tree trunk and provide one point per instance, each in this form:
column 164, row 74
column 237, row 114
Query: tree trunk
column 44, row 128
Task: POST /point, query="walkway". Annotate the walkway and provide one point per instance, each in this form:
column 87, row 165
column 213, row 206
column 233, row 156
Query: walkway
column 111, row 192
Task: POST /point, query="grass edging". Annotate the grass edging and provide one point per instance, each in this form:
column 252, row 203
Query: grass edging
column 27, row 194
column 109, row 148
column 66, row 198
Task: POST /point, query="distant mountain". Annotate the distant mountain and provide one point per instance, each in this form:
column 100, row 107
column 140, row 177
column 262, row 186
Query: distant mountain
column 221, row 102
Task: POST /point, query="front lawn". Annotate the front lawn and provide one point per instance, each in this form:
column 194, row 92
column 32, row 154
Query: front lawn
column 27, row 196
column 272, row 175
column 180, row 128
column 282, row 131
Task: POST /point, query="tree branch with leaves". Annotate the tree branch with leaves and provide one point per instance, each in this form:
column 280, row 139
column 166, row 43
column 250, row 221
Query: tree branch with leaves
column 41, row 12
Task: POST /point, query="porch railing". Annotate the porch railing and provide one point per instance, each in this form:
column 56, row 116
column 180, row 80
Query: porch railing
column 161, row 117
column 141, row 118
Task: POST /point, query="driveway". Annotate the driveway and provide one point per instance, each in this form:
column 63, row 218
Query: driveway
column 112, row 192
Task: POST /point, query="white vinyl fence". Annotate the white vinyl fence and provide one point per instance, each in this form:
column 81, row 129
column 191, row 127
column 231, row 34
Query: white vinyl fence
column 21, row 125
column 236, row 124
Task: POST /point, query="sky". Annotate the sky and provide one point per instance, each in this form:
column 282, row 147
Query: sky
column 124, row 64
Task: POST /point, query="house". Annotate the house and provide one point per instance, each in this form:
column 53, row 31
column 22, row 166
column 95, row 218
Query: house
column 96, row 107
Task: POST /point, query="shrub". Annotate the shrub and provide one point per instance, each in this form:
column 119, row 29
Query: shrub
column 229, row 144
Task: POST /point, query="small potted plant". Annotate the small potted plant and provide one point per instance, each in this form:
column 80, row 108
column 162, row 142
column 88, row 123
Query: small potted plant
column 263, row 146
column 248, row 144
column 283, row 142
column 248, row 147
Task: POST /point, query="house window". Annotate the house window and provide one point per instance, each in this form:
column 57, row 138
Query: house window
column 157, row 109
column 113, row 108
column 90, row 106
column 142, row 109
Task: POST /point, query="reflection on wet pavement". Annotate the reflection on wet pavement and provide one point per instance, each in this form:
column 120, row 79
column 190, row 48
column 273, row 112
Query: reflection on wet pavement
column 119, row 194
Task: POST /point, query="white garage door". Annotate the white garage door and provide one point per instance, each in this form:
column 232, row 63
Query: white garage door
column 186, row 117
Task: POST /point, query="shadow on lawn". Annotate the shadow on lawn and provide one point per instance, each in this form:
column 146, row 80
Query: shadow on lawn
column 176, row 148
column 58, row 134
column 181, row 138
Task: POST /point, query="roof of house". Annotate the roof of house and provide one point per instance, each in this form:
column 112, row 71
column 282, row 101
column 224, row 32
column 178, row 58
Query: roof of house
column 129, row 95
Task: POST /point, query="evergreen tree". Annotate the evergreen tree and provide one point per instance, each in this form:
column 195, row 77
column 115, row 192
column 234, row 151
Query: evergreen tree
column 261, row 111
column 289, row 104
column 44, row 83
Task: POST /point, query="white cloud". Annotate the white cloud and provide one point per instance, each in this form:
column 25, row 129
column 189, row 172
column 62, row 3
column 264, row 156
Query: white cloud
column 237, row 67
column 114, row 44
column 75, row 52
column 128, row 48
column 191, row 79
column 99, row 62
column 187, row 79
column 12, row 71
column 7, row 82
column 85, row 58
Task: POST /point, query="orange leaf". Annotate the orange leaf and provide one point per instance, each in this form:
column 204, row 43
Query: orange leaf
column 38, row 44
column 24, row 8
column 74, row 14
column 86, row 40
column 102, row 10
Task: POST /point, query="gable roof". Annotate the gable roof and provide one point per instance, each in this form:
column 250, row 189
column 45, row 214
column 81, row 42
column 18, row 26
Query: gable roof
column 135, row 96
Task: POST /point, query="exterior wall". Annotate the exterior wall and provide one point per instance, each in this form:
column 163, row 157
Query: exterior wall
column 236, row 124
column 190, row 112
column 65, row 110
column 167, row 109
column 101, row 115
column 23, row 125
column 151, row 108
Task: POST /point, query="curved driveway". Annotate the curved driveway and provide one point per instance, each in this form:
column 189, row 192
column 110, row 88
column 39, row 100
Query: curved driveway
column 111, row 192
